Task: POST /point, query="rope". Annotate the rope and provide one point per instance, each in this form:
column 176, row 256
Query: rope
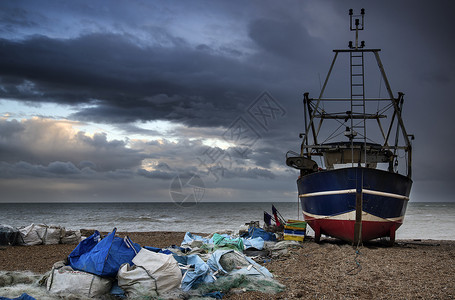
column 358, row 267
column 129, row 243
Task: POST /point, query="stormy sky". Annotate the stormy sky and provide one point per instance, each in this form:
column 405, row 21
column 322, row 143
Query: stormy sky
column 123, row 100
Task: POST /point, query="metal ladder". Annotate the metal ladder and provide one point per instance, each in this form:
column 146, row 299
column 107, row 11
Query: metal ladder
column 357, row 71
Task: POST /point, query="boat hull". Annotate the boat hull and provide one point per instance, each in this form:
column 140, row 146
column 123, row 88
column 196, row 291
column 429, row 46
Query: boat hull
column 332, row 201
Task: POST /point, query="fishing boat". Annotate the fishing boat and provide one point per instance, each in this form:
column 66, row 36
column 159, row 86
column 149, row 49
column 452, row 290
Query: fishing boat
column 353, row 186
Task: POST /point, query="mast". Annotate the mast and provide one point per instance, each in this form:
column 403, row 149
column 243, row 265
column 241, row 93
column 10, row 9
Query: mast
column 357, row 72
column 352, row 122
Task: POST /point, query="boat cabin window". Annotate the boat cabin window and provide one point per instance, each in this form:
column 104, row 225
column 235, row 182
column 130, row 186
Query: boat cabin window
column 342, row 158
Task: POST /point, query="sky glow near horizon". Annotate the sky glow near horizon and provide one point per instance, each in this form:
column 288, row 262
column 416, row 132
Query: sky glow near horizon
column 111, row 101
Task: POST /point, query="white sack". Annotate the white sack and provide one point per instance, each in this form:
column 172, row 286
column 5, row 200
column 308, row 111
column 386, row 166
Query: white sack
column 30, row 235
column 71, row 237
column 36, row 234
column 66, row 281
column 152, row 271
column 135, row 281
column 50, row 235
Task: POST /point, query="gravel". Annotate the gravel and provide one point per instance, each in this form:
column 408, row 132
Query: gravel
column 329, row 270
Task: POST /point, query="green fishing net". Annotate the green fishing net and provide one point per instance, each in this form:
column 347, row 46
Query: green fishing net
column 246, row 283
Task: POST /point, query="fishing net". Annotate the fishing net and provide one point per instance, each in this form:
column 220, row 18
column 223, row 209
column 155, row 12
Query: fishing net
column 233, row 260
column 13, row 278
column 244, row 282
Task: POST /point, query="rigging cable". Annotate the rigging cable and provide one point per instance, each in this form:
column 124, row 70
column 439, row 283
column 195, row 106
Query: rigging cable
column 380, row 87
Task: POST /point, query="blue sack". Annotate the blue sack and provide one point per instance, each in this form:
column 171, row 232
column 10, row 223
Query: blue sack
column 104, row 257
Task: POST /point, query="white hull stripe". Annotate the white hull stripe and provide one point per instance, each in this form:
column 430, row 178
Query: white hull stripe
column 385, row 194
column 353, row 191
column 350, row 216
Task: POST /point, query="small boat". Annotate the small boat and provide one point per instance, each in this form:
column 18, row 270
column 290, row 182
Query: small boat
column 351, row 185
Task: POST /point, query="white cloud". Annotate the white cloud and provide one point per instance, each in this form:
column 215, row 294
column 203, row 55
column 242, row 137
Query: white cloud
column 43, row 141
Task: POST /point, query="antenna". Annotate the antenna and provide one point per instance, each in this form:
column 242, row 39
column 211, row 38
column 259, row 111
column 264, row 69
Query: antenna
column 357, row 24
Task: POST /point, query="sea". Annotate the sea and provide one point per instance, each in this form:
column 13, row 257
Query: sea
column 422, row 220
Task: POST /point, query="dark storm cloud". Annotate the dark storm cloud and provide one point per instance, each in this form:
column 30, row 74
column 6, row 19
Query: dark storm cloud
column 132, row 129
column 52, row 170
column 163, row 171
column 287, row 39
column 10, row 129
column 264, row 156
column 157, row 174
column 15, row 17
column 121, row 81
column 83, row 69
column 253, row 173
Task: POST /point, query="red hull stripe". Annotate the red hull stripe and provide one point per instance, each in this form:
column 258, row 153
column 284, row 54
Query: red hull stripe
column 344, row 229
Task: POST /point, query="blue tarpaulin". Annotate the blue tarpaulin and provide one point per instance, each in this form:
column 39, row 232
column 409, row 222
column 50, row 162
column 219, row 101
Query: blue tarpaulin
column 195, row 271
column 254, row 232
column 183, row 250
column 104, row 257
column 189, row 238
column 257, row 243
column 24, row 296
column 158, row 250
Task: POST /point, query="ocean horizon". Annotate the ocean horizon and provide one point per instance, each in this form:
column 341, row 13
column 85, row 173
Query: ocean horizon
column 423, row 220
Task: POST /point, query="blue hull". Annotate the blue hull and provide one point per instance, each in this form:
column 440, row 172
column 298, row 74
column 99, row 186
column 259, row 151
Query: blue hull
column 328, row 201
